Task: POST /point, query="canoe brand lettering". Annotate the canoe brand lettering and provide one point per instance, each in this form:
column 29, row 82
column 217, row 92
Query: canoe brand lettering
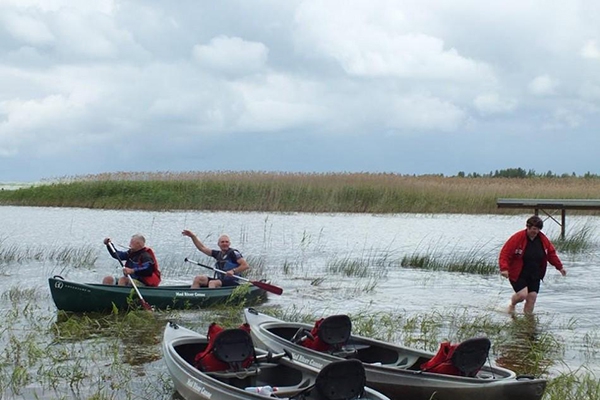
column 198, row 388
column 189, row 294
column 305, row 360
column 73, row 288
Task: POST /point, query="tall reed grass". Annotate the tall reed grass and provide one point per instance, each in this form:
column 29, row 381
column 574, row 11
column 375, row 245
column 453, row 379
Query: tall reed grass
column 283, row 192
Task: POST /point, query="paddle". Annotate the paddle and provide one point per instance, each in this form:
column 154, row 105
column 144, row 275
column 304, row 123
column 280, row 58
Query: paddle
column 263, row 285
column 144, row 302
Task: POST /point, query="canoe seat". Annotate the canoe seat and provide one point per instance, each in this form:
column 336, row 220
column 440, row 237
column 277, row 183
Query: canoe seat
column 463, row 359
column 234, row 347
column 470, row 355
column 330, row 335
column 341, row 380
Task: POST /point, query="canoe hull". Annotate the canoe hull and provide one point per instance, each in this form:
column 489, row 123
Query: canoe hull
column 179, row 346
column 393, row 370
column 88, row 297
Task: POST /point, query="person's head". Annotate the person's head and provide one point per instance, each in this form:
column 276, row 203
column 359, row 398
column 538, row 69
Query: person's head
column 137, row 242
column 534, row 226
column 224, row 242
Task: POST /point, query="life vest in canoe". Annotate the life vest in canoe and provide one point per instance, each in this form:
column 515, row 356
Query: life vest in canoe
column 329, row 334
column 154, row 279
column 462, row 359
column 227, row 349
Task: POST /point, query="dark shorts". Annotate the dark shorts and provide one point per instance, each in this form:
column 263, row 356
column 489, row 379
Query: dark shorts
column 225, row 282
column 532, row 283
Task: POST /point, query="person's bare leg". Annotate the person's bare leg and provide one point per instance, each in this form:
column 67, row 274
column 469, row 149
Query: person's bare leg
column 530, row 303
column 517, row 298
column 216, row 283
column 199, row 281
column 108, row 280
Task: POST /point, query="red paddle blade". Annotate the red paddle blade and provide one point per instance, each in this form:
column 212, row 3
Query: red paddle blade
column 146, row 305
column 268, row 287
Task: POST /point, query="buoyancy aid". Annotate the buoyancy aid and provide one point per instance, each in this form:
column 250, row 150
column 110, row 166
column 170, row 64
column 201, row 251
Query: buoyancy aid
column 154, row 279
column 316, row 344
column 206, row 361
column 441, row 363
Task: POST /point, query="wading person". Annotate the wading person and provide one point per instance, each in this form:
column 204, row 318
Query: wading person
column 139, row 263
column 523, row 260
column 229, row 260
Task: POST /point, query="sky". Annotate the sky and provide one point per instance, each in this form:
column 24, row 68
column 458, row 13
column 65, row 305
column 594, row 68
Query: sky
column 408, row 87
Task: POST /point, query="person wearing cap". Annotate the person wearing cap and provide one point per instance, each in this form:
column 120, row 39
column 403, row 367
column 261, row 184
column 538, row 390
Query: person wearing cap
column 523, row 260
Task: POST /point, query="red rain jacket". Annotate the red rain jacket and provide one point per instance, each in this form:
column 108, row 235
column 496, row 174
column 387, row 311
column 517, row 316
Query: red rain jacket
column 511, row 255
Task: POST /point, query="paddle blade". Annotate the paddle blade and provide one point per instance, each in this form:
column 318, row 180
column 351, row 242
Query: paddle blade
column 146, row 306
column 268, row 287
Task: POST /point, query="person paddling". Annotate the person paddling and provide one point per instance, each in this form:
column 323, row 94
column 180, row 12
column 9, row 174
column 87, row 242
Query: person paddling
column 228, row 259
column 140, row 263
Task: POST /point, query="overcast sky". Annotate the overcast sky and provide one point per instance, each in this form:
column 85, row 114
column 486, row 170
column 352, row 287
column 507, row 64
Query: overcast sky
column 410, row 87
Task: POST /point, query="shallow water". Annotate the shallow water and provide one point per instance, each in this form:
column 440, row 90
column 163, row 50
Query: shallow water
column 306, row 244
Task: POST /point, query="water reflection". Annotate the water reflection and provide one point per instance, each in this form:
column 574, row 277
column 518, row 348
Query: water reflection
column 529, row 349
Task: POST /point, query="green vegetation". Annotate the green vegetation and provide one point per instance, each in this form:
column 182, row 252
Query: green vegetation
column 285, row 192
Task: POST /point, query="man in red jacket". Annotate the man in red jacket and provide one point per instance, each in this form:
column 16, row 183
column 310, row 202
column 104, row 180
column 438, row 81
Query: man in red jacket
column 523, row 260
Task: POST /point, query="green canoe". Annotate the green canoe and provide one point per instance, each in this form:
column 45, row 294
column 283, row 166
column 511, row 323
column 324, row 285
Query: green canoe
column 89, row 297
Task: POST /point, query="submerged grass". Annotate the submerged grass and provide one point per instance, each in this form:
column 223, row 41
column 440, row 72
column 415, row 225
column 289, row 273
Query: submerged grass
column 284, row 192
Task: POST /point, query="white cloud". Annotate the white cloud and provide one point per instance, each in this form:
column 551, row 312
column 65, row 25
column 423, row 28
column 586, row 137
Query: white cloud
column 26, row 28
column 542, row 85
column 421, row 112
column 590, row 50
column 231, row 55
column 491, row 103
column 377, row 40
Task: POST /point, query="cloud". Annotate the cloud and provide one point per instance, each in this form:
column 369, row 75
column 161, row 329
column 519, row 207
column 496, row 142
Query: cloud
column 590, row 50
column 231, row 55
column 27, row 28
column 542, row 85
column 491, row 103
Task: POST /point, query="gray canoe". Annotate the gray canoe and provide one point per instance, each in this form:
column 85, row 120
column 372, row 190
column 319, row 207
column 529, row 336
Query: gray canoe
column 394, row 370
column 292, row 380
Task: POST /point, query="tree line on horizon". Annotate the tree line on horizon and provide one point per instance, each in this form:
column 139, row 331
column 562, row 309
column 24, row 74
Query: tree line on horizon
column 521, row 173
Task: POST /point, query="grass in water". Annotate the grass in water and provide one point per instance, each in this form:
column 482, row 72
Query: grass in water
column 474, row 261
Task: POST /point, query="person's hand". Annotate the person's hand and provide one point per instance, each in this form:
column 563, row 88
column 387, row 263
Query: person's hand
column 128, row 271
column 504, row 273
column 187, row 233
column 107, row 241
column 563, row 272
column 230, row 273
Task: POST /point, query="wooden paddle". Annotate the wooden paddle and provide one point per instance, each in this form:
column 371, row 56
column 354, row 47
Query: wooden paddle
column 144, row 302
column 263, row 285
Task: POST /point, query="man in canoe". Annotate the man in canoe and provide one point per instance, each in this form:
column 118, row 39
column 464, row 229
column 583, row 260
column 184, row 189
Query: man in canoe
column 229, row 260
column 523, row 260
column 139, row 263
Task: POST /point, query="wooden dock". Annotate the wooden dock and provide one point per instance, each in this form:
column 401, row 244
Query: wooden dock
column 551, row 204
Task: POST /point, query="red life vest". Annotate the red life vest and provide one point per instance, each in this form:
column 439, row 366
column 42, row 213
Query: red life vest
column 154, row 279
column 316, row 344
column 206, row 360
column 441, row 363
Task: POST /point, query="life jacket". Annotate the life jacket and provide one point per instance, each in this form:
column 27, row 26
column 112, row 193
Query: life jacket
column 154, row 279
column 330, row 334
column 316, row 344
column 441, row 363
column 207, row 361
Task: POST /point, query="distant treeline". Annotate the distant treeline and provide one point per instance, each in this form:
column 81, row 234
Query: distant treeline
column 521, row 173
column 296, row 192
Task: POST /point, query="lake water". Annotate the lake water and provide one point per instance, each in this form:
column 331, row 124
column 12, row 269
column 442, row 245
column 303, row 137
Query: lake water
column 306, row 244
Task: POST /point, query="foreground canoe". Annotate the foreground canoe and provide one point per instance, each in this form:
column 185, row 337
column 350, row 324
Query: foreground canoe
column 90, row 297
column 288, row 378
column 395, row 370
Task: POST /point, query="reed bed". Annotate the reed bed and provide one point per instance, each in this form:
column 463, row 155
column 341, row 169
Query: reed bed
column 85, row 256
column 285, row 192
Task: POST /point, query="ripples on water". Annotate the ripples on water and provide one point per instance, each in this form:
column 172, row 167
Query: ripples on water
column 306, row 243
